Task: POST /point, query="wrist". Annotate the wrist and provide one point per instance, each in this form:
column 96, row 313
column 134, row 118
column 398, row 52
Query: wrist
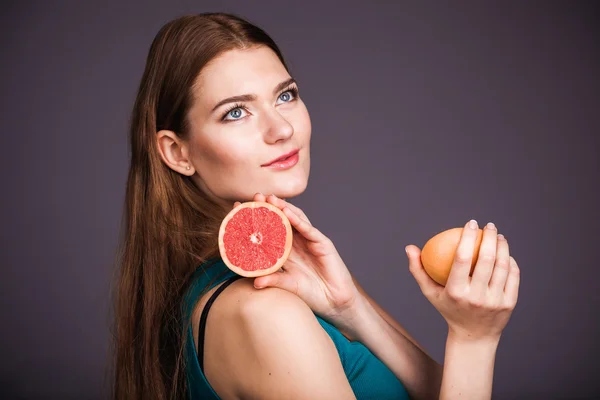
column 359, row 320
column 470, row 344
column 468, row 370
column 465, row 338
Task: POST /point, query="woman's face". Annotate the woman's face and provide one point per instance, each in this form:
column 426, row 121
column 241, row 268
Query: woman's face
column 232, row 139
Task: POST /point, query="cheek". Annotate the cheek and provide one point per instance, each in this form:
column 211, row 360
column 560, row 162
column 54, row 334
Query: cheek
column 302, row 123
column 223, row 155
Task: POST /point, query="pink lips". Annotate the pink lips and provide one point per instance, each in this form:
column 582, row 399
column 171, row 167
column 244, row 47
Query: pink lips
column 282, row 158
column 285, row 162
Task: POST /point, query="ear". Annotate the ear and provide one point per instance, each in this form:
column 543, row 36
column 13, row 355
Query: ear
column 174, row 152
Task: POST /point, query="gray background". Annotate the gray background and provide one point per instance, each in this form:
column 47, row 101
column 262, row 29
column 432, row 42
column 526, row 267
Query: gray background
column 424, row 115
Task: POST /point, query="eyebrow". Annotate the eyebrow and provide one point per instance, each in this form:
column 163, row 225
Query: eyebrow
column 251, row 97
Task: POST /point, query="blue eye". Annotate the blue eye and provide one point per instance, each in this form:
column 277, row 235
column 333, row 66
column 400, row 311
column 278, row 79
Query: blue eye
column 289, row 95
column 238, row 110
column 234, row 113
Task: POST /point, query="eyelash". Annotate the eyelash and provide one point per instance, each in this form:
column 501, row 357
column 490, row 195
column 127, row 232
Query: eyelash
column 293, row 90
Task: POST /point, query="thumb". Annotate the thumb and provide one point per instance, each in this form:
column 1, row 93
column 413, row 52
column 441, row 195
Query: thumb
column 281, row 280
column 428, row 286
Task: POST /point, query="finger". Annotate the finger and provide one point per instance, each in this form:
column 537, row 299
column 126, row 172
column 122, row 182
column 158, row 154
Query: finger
column 486, row 260
column 279, row 280
column 501, row 267
column 511, row 291
column 305, row 228
column 259, row 197
column 237, row 203
column 461, row 266
column 283, row 203
column 428, row 286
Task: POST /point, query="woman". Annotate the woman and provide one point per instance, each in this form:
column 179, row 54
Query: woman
column 216, row 105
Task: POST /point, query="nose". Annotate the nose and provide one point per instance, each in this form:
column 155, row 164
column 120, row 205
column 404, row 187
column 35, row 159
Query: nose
column 277, row 127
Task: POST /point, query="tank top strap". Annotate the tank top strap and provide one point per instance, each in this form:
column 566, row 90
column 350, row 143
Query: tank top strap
column 204, row 316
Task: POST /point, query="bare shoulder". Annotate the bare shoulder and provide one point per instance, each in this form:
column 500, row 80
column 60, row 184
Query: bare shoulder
column 268, row 344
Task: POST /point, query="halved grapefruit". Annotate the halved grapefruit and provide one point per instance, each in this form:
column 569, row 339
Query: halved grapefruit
column 255, row 239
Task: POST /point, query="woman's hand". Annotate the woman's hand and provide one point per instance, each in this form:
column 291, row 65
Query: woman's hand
column 314, row 270
column 477, row 307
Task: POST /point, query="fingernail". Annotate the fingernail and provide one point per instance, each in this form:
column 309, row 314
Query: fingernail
column 473, row 224
column 490, row 225
column 406, row 250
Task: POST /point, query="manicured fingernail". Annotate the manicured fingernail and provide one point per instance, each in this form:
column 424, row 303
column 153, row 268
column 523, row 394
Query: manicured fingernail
column 406, row 250
column 473, row 224
column 500, row 236
column 490, row 225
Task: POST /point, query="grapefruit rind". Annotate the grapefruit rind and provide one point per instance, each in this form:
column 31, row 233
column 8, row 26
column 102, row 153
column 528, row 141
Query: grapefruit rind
column 438, row 253
column 287, row 247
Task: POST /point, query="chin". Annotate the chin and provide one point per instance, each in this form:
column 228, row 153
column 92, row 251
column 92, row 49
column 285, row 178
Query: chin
column 291, row 188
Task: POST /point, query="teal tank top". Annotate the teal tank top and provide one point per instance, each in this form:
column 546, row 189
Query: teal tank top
column 369, row 378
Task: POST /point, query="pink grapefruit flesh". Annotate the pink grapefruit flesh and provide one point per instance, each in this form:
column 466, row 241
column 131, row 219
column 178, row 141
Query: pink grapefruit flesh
column 255, row 239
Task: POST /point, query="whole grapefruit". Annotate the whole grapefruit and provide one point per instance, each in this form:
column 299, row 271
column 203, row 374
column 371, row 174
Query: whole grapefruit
column 437, row 256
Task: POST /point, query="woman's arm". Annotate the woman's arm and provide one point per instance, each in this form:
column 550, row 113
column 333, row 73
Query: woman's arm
column 271, row 346
column 419, row 373
column 477, row 307
column 388, row 318
column 468, row 369
column 427, row 371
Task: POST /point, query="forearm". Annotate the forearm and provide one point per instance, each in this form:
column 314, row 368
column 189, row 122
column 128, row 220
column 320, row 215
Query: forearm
column 468, row 369
column 386, row 316
column 419, row 373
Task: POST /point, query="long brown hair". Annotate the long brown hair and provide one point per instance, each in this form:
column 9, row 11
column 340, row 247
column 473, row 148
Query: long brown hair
column 169, row 227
